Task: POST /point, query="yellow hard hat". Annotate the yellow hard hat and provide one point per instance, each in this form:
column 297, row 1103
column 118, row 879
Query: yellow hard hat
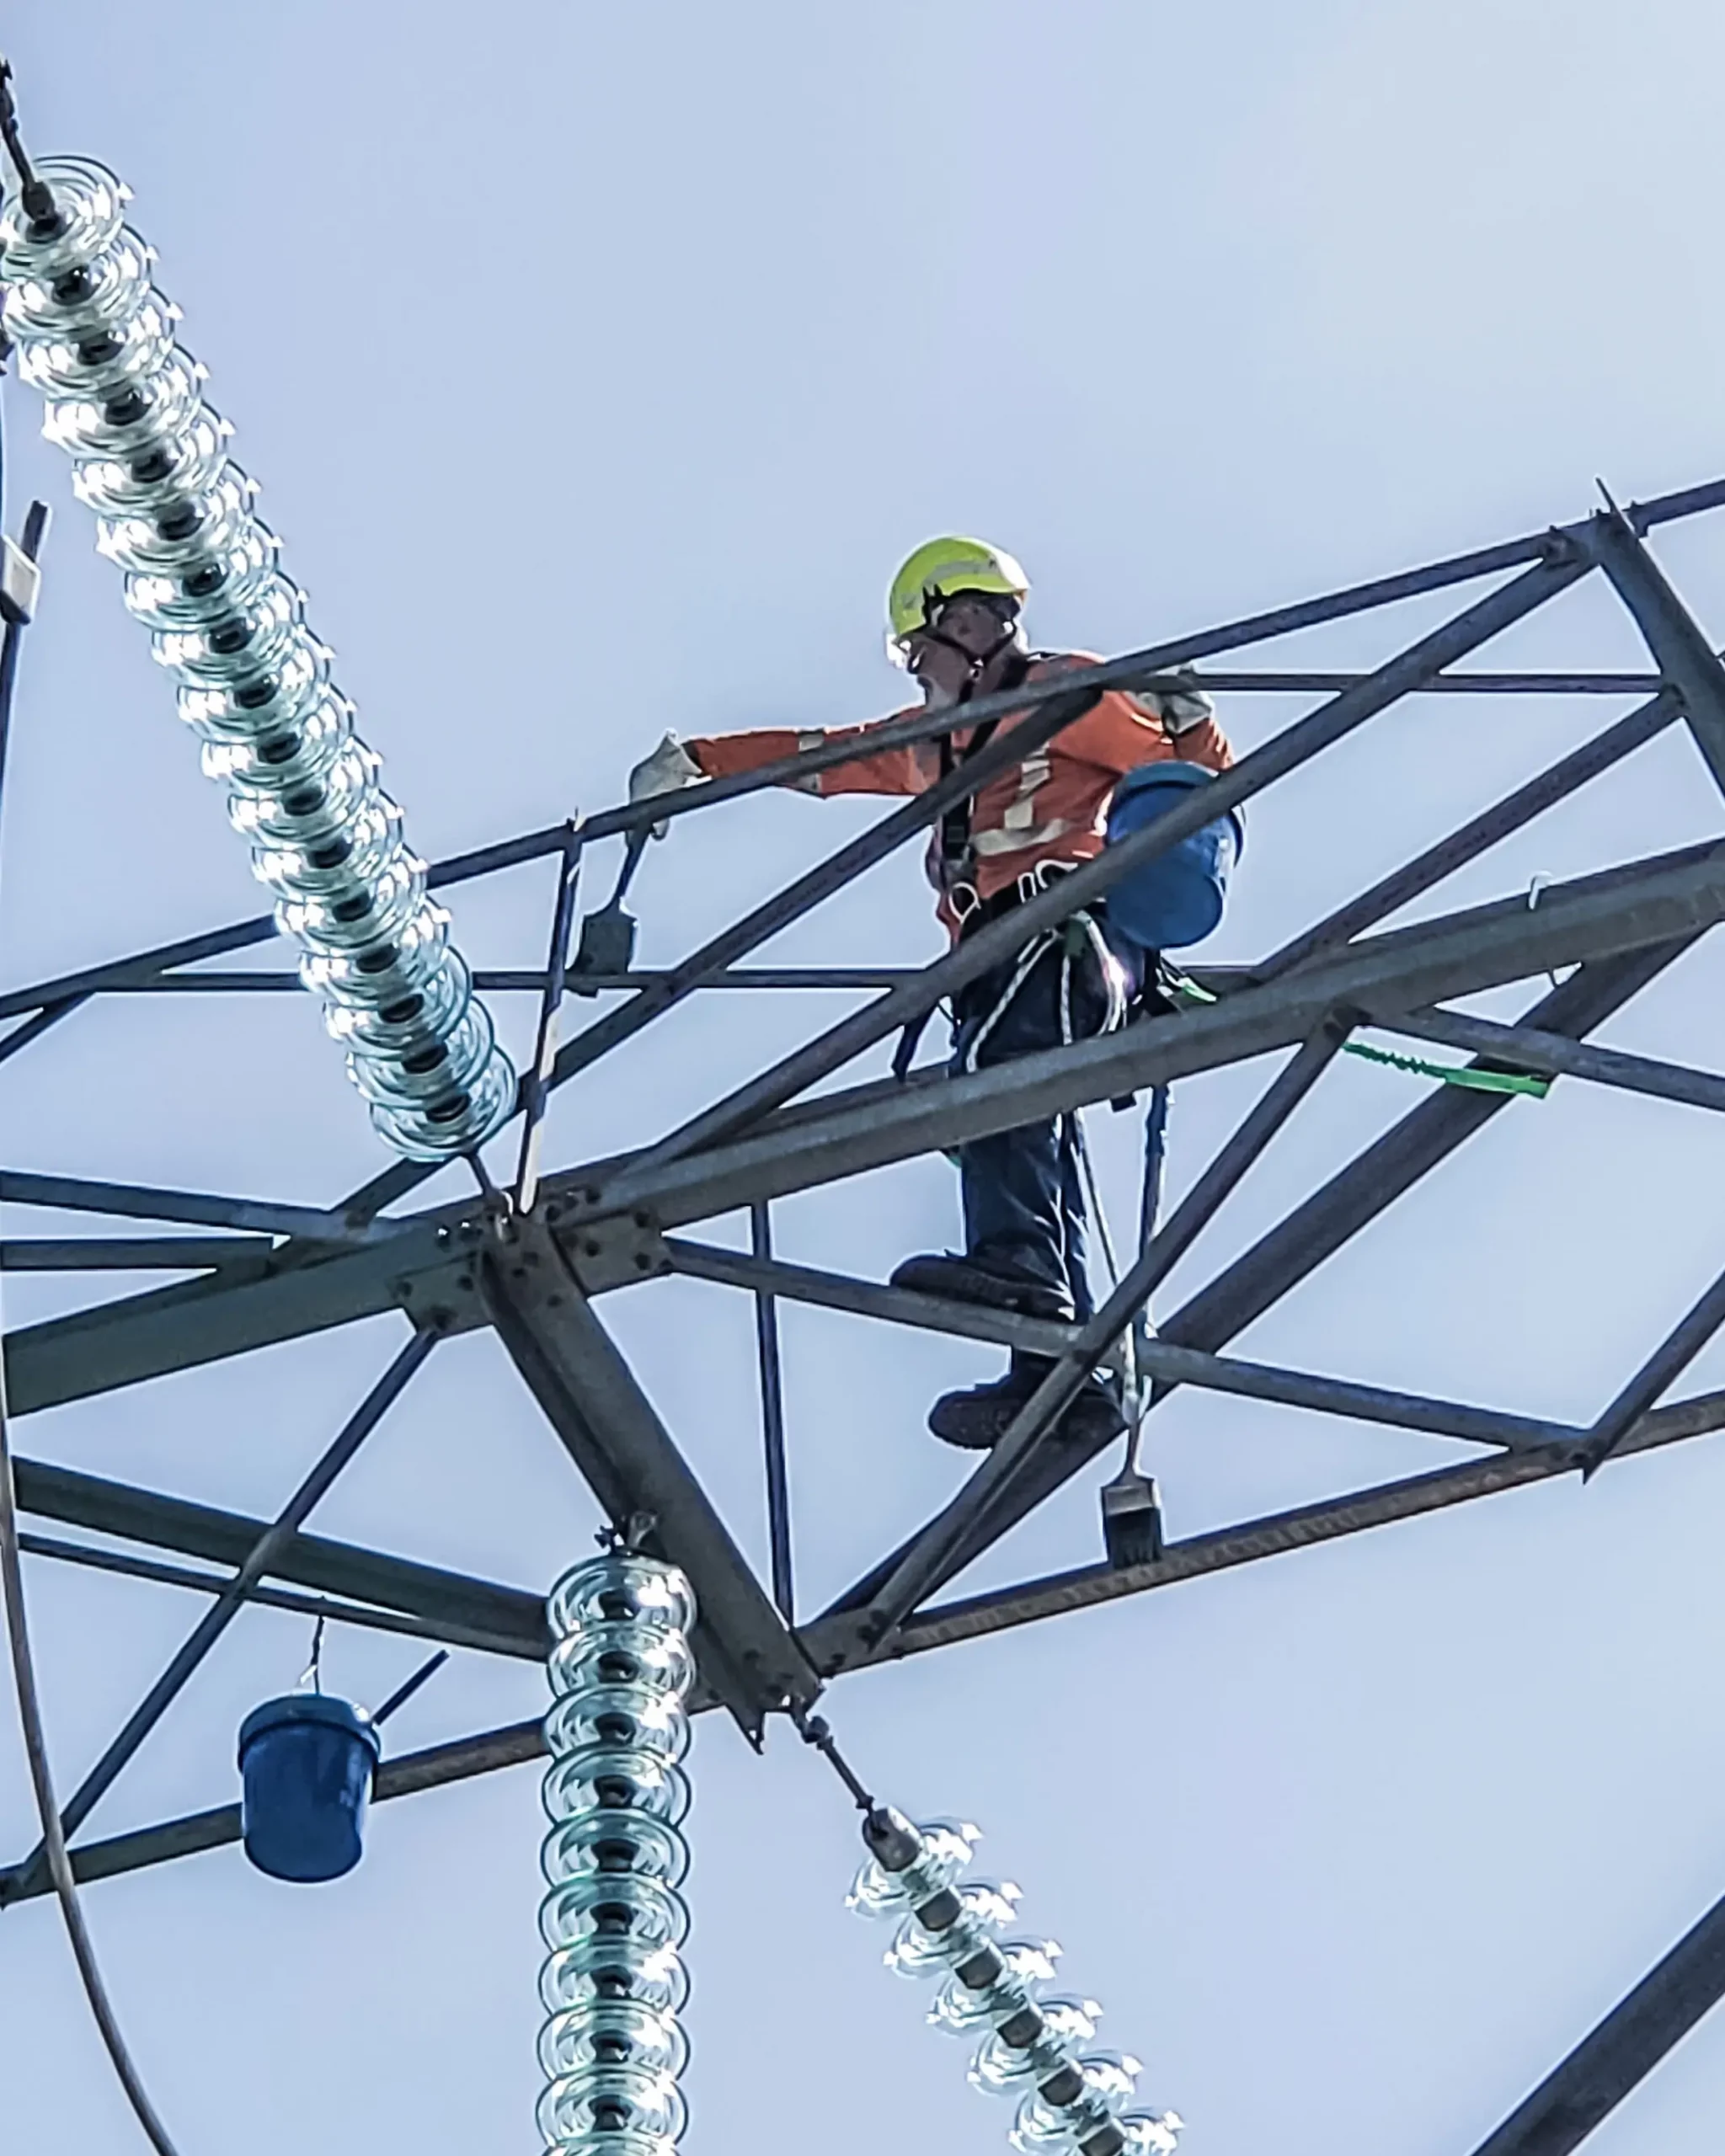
column 941, row 568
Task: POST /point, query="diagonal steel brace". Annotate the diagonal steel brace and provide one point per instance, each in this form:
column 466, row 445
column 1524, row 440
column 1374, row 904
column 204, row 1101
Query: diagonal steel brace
column 609, row 1429
column 1685, row 658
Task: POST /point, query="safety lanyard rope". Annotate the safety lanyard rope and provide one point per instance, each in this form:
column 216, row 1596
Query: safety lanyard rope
column 1469, row 1076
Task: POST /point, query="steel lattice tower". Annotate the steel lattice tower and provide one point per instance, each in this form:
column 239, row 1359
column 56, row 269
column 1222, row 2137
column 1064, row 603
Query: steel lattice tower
column 535, row 1261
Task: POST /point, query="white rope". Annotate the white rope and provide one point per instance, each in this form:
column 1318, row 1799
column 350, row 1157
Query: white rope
column 1132, row 1393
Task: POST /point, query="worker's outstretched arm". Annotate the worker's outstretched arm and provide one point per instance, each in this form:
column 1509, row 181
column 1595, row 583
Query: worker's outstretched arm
column 908, row 769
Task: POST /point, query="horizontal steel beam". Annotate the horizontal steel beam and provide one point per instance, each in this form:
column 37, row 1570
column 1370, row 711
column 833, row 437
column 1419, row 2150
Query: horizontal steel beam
column 1473, row 681
column 74, row 1499
column 1127, row 671
column 135, row 1253
column 200, row 1208
column 1486, row 946
column 1161, row 1359
column 423, row 1268
column 831, row 1642
column 507, row 979
column 90, row 1557
column 838, row 1643
column 205, row 1320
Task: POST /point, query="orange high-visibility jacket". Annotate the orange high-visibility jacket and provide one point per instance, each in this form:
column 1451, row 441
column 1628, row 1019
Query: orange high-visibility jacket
column 1054, row 807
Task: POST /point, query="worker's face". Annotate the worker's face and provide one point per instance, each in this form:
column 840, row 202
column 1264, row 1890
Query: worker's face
column 944, row 670
column 946, row 659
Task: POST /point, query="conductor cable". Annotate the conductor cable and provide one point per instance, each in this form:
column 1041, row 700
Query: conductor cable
column 18, row 1635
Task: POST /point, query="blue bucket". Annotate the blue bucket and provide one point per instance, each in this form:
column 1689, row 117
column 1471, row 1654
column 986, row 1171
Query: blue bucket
column 306, row 1762
column 1177, row 897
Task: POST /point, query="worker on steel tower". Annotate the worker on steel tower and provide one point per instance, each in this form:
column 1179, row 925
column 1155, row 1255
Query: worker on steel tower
column 954, row 614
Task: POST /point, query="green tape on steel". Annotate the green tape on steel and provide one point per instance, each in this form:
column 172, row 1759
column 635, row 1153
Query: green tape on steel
column 1449, row 1074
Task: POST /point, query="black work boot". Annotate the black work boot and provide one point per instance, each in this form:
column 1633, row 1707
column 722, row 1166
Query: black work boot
column 959, row 1280
column 976, row 1419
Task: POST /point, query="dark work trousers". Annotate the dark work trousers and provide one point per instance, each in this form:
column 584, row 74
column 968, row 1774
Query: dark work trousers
column 1022, row 1194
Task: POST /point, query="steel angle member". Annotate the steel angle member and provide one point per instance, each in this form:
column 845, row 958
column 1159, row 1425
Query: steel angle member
column 159, row 1521
column 1685, row 658
column 423, row 1269
column 1646, row 902
column 1298, row 1244
column 611, row 1431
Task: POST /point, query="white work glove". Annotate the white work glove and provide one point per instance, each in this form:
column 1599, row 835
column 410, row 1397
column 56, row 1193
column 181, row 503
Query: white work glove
column 668, row 769
column 1182, row 709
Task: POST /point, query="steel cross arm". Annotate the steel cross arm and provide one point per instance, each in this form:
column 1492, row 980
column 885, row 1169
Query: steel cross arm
column 1685, row 658
column 206, row 1320
column 422, row 1268
column 1286, row 1254
column 1139, row 668
column 1559, row 562
column 90, row 1557
column 838, row 1641
column 135, row 1253
column 525, row 980
column 1528, row 1048
column 834, row 1644
column 141, row 969
column 1123, row 672
column 1260, row 682
column 1622, row 2050
column 1484, row 947
column 200, row 1208
column 121, row 978
column 73, row 1499
column 1161, row 1359
column 1002, row 940
column 589, row 1395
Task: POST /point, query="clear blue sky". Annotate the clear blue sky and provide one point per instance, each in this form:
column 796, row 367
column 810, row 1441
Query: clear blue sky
column 597, row 365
